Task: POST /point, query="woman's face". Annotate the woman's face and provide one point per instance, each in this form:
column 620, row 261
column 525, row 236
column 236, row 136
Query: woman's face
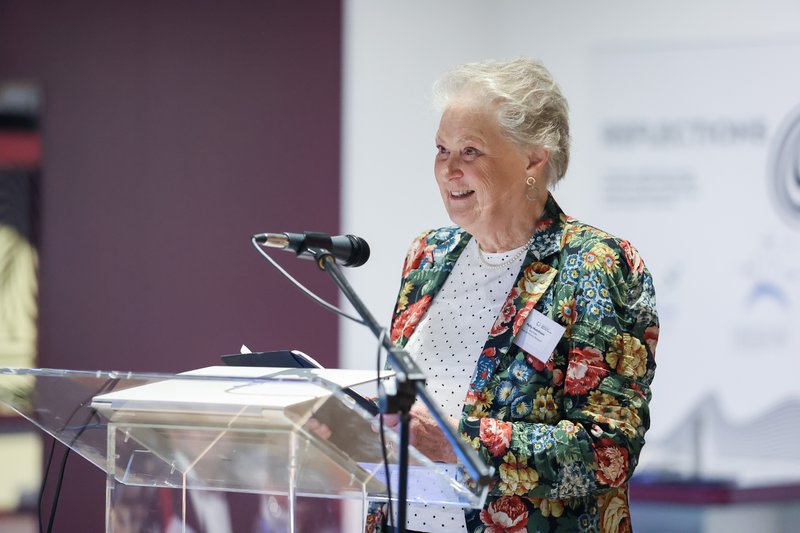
column 481, row 172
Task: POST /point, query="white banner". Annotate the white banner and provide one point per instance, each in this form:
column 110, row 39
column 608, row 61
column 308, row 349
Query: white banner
column 698, row 164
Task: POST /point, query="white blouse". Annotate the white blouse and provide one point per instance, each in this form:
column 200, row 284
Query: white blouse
column 447, row 342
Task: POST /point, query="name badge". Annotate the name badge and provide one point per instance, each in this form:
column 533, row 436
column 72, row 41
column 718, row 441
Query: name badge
column 539, row 336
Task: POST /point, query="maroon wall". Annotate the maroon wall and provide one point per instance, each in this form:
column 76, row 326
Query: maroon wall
column 172, row 132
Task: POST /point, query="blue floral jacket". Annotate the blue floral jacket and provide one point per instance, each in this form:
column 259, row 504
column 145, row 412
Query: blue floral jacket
column 564, row 436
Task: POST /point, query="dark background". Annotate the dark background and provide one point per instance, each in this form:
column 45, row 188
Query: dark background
column 173, row 131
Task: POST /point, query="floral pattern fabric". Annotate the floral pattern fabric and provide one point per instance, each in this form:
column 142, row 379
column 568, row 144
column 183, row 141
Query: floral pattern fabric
column 564, row 436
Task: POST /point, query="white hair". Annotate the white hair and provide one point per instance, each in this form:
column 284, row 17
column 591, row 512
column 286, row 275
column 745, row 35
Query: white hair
column 530, row 107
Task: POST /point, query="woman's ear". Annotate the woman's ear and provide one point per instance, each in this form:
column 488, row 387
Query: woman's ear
column 537, row 161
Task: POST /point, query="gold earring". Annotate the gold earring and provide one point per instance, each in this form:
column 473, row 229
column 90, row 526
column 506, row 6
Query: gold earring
column 530, row 194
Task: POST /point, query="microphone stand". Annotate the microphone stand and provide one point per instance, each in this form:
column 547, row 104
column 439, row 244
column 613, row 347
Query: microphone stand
column 410, row 384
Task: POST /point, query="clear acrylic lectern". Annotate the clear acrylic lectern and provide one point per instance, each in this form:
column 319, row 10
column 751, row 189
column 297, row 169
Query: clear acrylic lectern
column 291, row 432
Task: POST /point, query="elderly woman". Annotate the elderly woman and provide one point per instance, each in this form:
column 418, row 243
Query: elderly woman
column 537, row 332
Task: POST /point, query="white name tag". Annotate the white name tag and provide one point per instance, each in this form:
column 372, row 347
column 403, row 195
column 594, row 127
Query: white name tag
column 539, row 336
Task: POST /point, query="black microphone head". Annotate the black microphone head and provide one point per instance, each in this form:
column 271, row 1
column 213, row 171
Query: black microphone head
column 360, row 253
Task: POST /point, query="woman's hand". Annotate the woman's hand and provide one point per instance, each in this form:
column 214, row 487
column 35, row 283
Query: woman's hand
column 320, row 429
column 426, row 436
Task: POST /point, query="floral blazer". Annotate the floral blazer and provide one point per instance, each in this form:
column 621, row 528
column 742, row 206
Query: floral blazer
column 564, row 436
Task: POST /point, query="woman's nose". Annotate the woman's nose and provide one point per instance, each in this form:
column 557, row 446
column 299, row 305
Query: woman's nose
column 453, row 167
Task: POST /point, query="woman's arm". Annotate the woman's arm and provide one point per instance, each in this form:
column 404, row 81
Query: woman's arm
column 601, row 374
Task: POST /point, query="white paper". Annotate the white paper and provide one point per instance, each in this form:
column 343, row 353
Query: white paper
column 539, row 335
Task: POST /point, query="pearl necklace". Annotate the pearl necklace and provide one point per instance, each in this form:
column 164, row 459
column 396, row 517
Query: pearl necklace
column 511, row 259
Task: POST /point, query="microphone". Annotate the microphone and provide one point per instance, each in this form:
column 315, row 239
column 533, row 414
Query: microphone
column 350, row 250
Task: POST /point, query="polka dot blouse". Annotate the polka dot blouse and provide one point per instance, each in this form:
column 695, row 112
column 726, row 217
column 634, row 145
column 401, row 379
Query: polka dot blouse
column 448, row 341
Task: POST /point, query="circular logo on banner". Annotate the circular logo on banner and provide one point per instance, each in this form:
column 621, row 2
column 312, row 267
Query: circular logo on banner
column 785, row 168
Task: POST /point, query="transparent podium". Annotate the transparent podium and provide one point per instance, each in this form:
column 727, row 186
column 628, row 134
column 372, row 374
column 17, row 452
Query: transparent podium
column 271, row 431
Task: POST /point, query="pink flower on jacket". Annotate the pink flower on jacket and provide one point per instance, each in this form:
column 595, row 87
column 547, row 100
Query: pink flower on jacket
column 507, row 313
column 407, row 321
column 651, row 339
column 521, row 316
column 505, row 515
column 419, row 250
column 497, row 329
column 495, row 435
column 414, row 256
column 612, row 462
column 632, row 257
column 537, row 364
column 587, row 368
column 543, row 224
column 375, row 519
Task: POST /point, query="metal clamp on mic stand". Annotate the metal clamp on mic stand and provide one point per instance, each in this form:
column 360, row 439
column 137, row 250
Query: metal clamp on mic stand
column 410, row 385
